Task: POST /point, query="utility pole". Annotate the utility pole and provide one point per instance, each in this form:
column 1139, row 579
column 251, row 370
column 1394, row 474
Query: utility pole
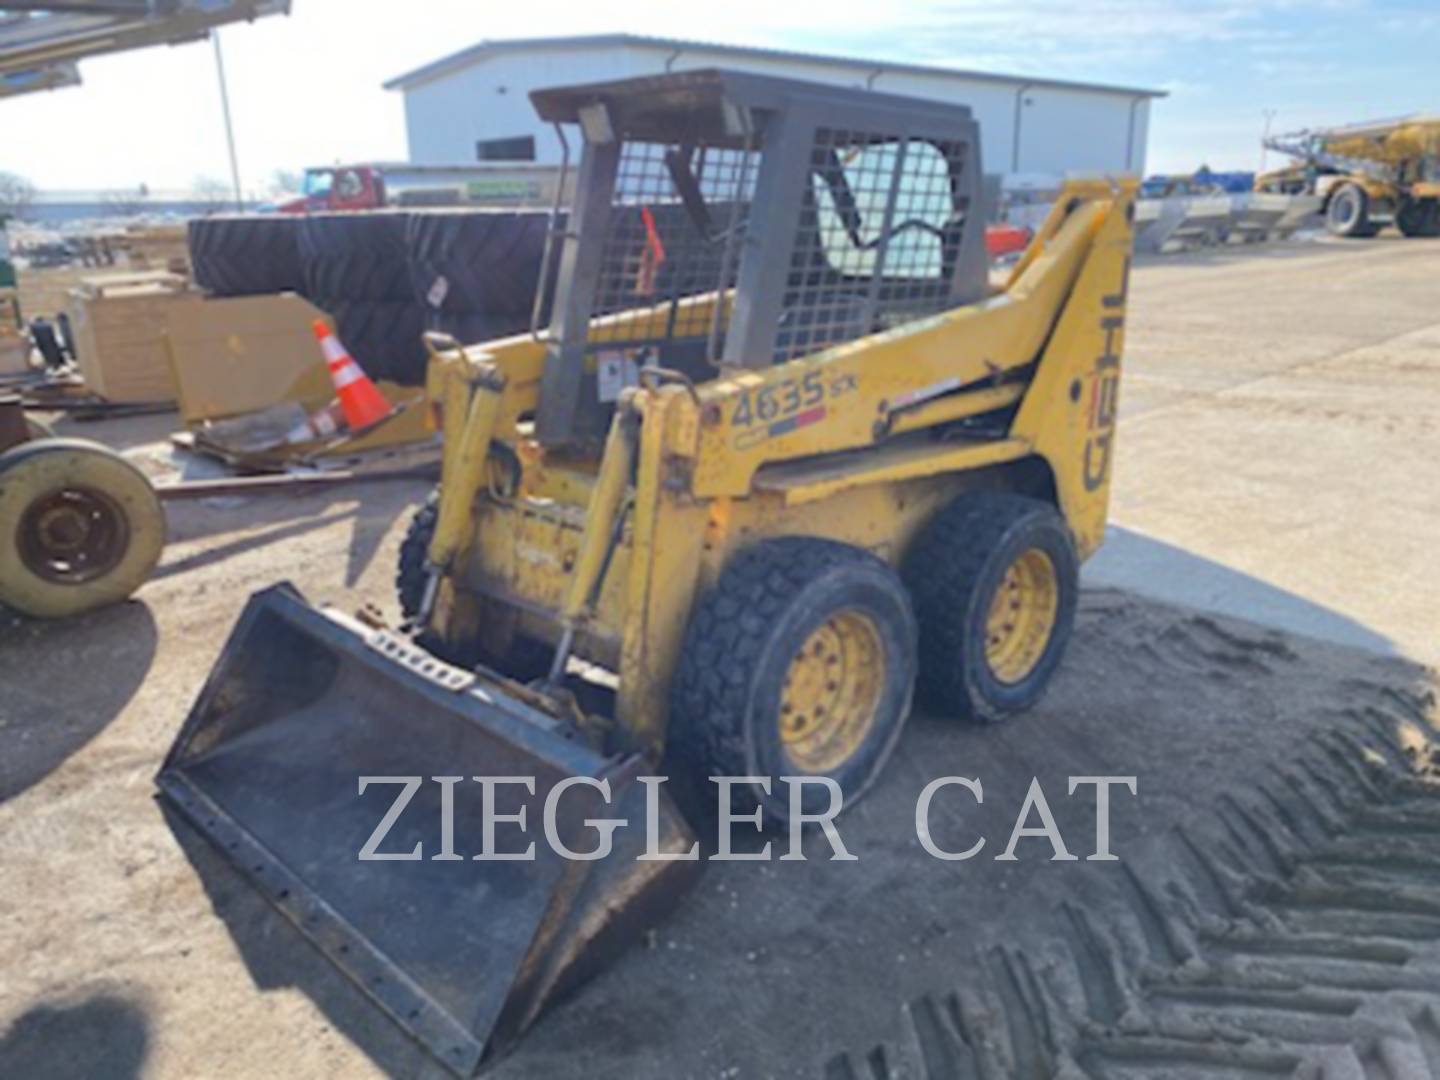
column 229, row 127
column 1269, row 115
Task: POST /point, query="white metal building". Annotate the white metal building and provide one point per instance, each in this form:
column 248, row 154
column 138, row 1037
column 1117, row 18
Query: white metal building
column 474, row 104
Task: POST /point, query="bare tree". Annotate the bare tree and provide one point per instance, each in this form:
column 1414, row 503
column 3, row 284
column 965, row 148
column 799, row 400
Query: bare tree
column 16, row 195
column 286, row 182
column 124, row 202
column 211, row 193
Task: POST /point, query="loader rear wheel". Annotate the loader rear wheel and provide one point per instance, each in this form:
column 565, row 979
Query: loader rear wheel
column 1348, row 212
column 994, row 577
column 800, row 661
column 80, row 527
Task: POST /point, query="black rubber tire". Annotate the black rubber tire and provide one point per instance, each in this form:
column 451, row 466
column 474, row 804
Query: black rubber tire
column 38, row 470
column 1419, row 218
column 355, row 257
column 736, row 652
column 1348, row 212
column 386, row 339
column 479, row 262
column 245, row 255
column 47, row 342
column 952, row 570
column 410, row 573
column 471, row 329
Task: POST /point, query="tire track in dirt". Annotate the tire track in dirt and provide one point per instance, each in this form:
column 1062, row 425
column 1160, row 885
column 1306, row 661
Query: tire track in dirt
column 1294, row 934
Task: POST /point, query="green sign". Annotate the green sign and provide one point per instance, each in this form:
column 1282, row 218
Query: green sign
column 502, row 190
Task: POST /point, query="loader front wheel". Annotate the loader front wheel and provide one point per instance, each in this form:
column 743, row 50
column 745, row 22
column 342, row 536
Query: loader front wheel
column 411, row 570
column 80, row 527
column 994, row 577
column 799, row 662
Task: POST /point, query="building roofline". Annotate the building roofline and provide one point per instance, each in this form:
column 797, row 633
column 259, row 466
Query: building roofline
column 481, row 50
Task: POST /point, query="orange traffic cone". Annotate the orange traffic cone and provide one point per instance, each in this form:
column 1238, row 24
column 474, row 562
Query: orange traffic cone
column 363, row 404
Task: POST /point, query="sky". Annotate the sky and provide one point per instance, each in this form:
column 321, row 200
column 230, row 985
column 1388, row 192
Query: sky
column 306, row 89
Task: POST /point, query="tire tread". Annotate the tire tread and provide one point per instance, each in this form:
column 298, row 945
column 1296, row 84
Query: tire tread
column 726, row 640
column 943, row 570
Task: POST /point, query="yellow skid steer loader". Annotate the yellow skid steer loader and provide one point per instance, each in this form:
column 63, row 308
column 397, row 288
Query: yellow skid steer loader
column 782, row 455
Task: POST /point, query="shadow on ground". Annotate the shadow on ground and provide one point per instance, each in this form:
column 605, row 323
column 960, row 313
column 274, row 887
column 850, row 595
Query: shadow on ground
column 1301, row 246
column 305, row 521
column 374, row 508
column 104, row 1037
column 51, row 710
column 277, row 955
column 120, row 433
column 1162, row 571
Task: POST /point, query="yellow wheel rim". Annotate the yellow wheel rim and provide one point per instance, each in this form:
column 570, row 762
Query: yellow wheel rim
column 1022, row 616
column 832, row 692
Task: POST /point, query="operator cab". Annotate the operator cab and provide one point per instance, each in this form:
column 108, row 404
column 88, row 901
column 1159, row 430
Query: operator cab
column 756, row 232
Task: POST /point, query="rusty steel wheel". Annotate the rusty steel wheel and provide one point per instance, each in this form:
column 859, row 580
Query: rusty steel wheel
column 80, row 527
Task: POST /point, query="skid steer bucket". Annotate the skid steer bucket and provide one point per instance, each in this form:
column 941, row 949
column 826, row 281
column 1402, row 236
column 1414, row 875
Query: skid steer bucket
column 462, row 953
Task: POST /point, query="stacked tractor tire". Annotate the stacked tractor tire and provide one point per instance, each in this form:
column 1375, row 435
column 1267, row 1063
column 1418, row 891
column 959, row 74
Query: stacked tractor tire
column 385, row 277
column 354, row 269
column 476, row 271
column 246, row 255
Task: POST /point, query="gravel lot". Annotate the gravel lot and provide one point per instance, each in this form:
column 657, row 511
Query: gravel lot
column 1271, row 576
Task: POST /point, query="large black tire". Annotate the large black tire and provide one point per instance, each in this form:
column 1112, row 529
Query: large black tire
column 410, row 573
column 80, row 527
column 1348, row 212
column 472, row 329
column 245, row 255
column 479, row 262
column 1419, row 217
column 955, row 569
column 355, row 257
column 386, row 339
column 730, row 688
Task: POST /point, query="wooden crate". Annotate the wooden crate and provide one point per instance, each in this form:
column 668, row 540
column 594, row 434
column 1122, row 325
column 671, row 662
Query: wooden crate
column 14, row 345
column 243, row 354
column 119, row 322
column 160, row 247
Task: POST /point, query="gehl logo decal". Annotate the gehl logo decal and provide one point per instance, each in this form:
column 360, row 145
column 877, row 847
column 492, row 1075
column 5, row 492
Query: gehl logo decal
column 1105, row 387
